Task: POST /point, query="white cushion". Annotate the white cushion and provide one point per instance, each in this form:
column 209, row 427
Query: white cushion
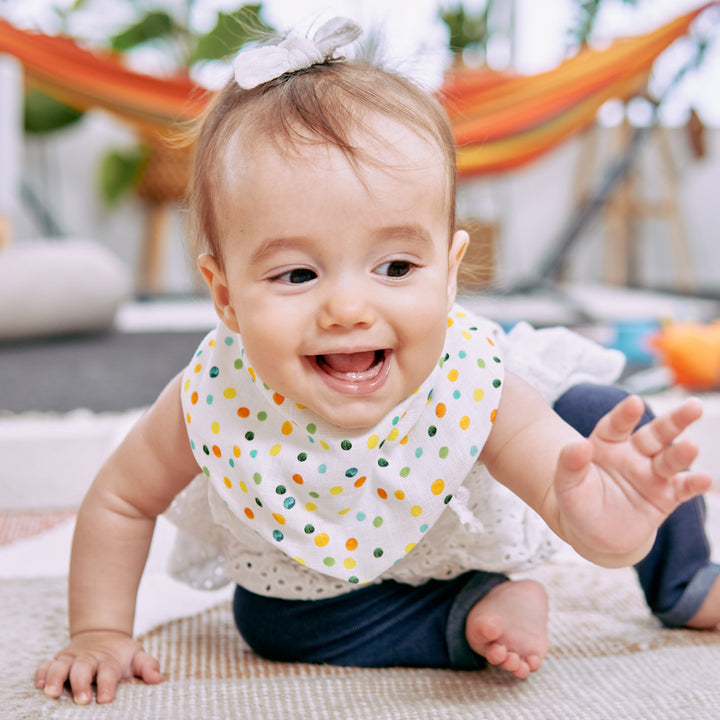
column 59, row 287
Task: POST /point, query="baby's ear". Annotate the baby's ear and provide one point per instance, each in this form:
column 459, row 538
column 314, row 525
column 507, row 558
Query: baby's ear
column 215, row 278
column 459, row 245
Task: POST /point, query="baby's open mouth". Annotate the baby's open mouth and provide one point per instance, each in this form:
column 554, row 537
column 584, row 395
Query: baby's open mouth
column 355, row 367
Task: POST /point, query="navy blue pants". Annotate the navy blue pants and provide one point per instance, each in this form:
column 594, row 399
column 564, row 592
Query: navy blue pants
column 393, row 624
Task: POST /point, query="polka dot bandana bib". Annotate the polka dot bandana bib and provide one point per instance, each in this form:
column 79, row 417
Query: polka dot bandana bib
column 347, row 503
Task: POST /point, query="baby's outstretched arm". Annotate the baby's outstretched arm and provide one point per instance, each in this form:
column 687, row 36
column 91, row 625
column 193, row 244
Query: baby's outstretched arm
column 111, row 543
column 605, row 495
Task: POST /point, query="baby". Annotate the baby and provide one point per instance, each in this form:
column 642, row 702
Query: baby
column 344, row 401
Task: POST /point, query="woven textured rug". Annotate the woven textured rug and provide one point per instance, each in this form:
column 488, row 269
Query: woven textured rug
column 609, row 660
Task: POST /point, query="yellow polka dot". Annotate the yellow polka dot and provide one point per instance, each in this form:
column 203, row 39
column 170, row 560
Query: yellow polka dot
column 372, row 442
column 453, row 375
column 236, row 451
column 351, row 544
column 188, row 418
column 394, row 433
column 409, row 547
column 460, row 315
column 450, row 322
column 275, row 450
column 416, row 511
column 243, row 486
column 252, row 373
column 211, row 343
column 437, row 487
column 300, row 407
column 299, row 560
column 464, row 422
column 322, row 539
column 215, row 428
column 324, row 445
column 197, row 368
column 466, row 335
column 227, row 482
column 336, row 490
column 404, row 440
column 229, row 393
column 287, row 427
column 310, row 506
column 399, row 494
column 186, row 387
column 279, row 518
column 349, row 563
column 478, row 394
column 491, row 342
column 344, row 511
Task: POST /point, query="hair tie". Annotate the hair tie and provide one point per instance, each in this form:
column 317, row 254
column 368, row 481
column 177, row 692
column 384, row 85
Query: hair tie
column 260, row 64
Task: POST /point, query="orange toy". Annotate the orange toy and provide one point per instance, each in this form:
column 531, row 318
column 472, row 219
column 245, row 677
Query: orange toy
column 692, row 351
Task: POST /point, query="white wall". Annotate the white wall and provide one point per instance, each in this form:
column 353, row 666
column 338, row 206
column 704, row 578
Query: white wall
column 532, row 206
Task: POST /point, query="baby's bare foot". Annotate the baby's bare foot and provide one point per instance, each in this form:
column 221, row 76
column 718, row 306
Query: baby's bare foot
column 508, row 627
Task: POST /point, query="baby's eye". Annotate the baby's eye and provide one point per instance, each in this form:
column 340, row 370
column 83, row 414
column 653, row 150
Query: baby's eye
column 395, row 268
column 297, row 276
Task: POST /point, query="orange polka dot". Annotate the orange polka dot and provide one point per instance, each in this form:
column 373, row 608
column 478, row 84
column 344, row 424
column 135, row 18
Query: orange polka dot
column 399, row 494
column 252, row 373
column 243, row 412
column 216, row 451
column 278, row 518
column 351, row 544
column 440, row 410
column 227, row 482
column 360, row 481
column 491, row 342
column 450, row 322
column 197, row 368
column 437, row 487
column 493, row 415
column 249, row 513
column 236, row 451
column 194, row 398
column 298, row 479
column 278, row 399
column 382, row 493
column 287, row 427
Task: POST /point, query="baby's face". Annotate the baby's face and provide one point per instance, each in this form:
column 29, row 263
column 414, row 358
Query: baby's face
column 339, row 282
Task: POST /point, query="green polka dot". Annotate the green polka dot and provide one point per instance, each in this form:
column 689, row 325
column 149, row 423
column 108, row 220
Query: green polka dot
column 192, row 444
column 481, row 363
column 302, row 457
column 262, row 416
column 382, row 462
column 206, row 449
column 352, row 579
column 314, row 495
column 346, row 445
column 277, row 535
column 424, row 528
column 447, row 499
column 312, row 429
column 238, row 364
column 351, row 472
column 396, row 420
column 378, row 552
column 329, row 562
column 309, row 529
column 280, row 489
column 405, row 472
column 257, row 477
column 206, row 471
column 444, row 451
column 249, row 435
column 258, row 502
column 496, row 383
column 496, row 358
column 253, row 453
column 432, row 431
column 231, row 462
column 266, row 386
column 214, row 371
column 378, row 521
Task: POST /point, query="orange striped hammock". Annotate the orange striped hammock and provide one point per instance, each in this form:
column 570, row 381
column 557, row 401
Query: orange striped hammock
column 501, row 121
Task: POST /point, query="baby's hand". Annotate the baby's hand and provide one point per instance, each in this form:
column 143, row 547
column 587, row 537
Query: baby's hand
column 615, row 488
column 102, row 657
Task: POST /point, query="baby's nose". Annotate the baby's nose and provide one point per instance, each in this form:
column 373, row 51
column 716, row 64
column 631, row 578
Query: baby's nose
column 347, row 305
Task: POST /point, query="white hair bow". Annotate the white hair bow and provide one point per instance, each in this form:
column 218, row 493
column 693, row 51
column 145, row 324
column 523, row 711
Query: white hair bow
column 256, row 65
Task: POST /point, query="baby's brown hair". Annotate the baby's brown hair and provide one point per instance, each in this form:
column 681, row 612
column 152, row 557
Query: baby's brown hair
column 326, row 103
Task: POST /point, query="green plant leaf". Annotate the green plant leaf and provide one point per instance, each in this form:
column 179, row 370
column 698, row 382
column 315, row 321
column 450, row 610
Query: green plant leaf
column 231, row 31
column 119, row 173
column 43, row 113
column 152, row 26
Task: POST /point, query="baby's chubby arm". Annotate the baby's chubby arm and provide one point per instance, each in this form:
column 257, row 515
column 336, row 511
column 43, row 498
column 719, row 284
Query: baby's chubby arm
column 605, row 495
column 112, row 538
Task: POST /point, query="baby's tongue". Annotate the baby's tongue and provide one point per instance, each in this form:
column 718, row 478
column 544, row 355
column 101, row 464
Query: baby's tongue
column 350, row 362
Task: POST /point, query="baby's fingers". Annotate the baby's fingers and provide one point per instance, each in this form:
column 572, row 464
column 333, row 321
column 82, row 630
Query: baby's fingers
column 674, row 458
column 618, row 424
column 147, row 667
column 660, row 432
column 50, row 677
column 691, row 483
column 81, row 676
